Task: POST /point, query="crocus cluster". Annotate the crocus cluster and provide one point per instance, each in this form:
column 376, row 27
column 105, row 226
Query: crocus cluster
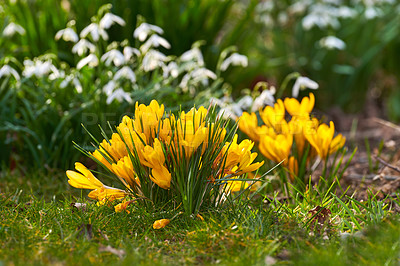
column 291, row 142
column 159, row 157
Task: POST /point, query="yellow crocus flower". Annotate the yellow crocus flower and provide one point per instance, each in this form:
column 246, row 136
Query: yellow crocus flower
column 195, row 116
column 154, row 158
column 122, row 206
column 190, row 138
column 124, row 169
column 147, row 118
column 300, row 110
column 107, row 194
column 161, row 223
column 299, row 128
column 239, row 158
column 248, row 123
column 276, row 148
column 273, row 116
column 322, row 139
column 85, row 179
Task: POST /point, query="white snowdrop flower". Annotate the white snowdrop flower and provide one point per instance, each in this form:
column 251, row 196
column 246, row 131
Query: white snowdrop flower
column 109, row 87
column 203, row 74
column 56, row 73
column 225, row 105
column 7, row 71
column 154, row 41
column 171, row 69
column 346, row 12
column 66, row 81
column 129, row 52
column 193, row 54
column 227, row 113
column 302, row 83
column 283, row 18
column 236, row 60
column 95, row 31
column 119, row 95
column 152, row 60
column 243, row 104
column 266, row 20
column 320, row 20
column 145, row 30
column 299, row 7
column 110, row 19
column 266, row 6
column 77, row 85
column 125, row 72
column 13, row 28
column 67, row 34
column 82, row 47
column 198, row 75
column 332, row 42
column 90, row 60
column 113, row 56
column 372, row 12
column 265, row 98
column 36, row 68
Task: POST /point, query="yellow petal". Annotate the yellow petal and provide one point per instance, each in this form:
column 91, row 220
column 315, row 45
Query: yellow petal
column 161, row 223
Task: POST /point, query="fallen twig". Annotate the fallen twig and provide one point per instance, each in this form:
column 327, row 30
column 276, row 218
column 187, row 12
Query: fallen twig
column 372, row 177
column 387, row 164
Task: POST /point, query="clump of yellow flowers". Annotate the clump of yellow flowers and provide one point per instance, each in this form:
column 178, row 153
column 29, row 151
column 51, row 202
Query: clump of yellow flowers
column 296, row 142
column 159, row 158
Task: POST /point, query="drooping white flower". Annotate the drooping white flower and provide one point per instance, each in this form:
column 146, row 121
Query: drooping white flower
column 82, row 47
column 113, row 56
column 230, row 109
column 152, row 60
column 7, row 71
column 145, row 30
column 243, row 104
column 346, row 12
column 236, row 60
column 119, row 95
column 66, row 81
column 90, row 60
column 299, row 7
column 372, row 12
column 154, row 41
column 13, row 28
column 77, row 84
column 332, row 42
column 110, row 19
column 303, row 83
column 95, row 31
column 56, row 73
column 321, row 15
column 193, row 54
column 225, row 105
column 171, row 69
column 265, row 98
column 36, row 68
column 67, row 34
column 125, row 72
column 109, row 87
column 129, row 52
column 198, row 75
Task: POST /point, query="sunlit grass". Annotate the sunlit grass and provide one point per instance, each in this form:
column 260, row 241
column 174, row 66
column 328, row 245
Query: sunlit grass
column 44, row 226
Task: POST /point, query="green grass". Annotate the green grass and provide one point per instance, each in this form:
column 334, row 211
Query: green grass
column 38, row 225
